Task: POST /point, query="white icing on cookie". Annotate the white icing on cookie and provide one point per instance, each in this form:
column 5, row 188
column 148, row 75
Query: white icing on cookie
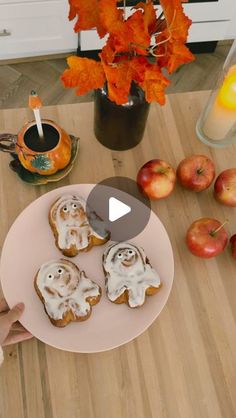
column 65, row 288
column 127, row 269
column 71, row 221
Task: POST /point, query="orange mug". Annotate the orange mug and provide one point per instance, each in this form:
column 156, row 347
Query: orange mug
column 43, row 156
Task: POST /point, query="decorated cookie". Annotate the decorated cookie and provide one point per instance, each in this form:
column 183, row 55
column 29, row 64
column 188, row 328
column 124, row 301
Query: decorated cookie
column 72, row 231
column 129, row 275
column 65, row 291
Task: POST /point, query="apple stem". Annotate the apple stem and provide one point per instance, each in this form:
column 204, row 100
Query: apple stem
column 219, row 228
column 199, row 171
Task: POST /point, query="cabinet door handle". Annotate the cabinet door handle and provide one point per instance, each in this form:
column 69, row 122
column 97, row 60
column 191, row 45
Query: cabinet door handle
column 5, row 32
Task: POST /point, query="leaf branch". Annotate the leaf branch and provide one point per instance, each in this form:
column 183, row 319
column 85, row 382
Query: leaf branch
column 124, row 9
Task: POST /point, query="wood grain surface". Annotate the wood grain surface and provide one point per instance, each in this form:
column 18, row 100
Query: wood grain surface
column 184, row 365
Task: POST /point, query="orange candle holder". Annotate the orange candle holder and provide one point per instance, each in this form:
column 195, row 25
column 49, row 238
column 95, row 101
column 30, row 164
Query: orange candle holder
column 216, row 126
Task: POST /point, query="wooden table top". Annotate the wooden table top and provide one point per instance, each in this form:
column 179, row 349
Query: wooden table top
column 184, row 365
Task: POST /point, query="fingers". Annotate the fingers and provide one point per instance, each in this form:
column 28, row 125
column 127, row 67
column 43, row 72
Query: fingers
column 3, row 305
column 15, row 313
column 17, row 338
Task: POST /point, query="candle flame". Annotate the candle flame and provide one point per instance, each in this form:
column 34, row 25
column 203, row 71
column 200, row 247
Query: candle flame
column 227, row 93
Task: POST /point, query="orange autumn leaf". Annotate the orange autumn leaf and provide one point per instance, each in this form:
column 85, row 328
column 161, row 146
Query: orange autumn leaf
column 177, row 22
column 88, row 15
column 176, row 54
column 108, row 51
column 85, row 74
column 171, row 49
column 132, row 36
column 110, row 15
column 138, row 66
column 126, row 34
column 126, row 55
column 154, row 85
column 149, row 15
column 72, row 11
column 138, row 37
column 119, row 79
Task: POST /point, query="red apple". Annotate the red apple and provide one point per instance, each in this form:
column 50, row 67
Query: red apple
column 156, row 179
column 233, row 245
column 196, row 172
column 225, row 187
column 206, row 237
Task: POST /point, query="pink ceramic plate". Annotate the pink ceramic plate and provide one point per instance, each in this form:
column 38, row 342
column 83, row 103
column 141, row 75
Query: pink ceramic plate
column 30, row 243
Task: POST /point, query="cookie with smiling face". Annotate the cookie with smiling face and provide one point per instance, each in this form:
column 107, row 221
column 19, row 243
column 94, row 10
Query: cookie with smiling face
column 69, row 222
column 129, row 276
column 65, row 291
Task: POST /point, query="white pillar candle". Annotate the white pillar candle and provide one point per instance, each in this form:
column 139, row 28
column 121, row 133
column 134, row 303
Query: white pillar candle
column 222, row 115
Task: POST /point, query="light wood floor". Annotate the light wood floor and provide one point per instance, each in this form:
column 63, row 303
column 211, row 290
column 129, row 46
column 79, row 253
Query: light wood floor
column 18, row 79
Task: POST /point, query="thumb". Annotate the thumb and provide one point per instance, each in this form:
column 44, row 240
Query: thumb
column 15, row 313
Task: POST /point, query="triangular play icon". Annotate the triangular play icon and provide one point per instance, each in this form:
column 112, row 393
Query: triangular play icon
column 117, row 209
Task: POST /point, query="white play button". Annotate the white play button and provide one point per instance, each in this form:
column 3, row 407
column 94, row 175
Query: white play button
column 121, row 205
column 117, row 209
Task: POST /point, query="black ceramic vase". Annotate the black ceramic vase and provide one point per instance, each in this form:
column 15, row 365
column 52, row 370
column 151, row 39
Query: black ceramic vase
column 120, row 127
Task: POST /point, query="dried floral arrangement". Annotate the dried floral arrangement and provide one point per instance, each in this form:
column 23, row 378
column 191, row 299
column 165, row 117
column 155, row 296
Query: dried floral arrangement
column 138, row 48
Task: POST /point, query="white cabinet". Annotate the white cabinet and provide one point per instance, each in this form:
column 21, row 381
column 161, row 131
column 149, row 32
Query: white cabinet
column 31, row 28
column 212, row 21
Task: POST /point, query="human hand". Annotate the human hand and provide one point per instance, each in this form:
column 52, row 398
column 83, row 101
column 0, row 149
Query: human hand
column 11, row 331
